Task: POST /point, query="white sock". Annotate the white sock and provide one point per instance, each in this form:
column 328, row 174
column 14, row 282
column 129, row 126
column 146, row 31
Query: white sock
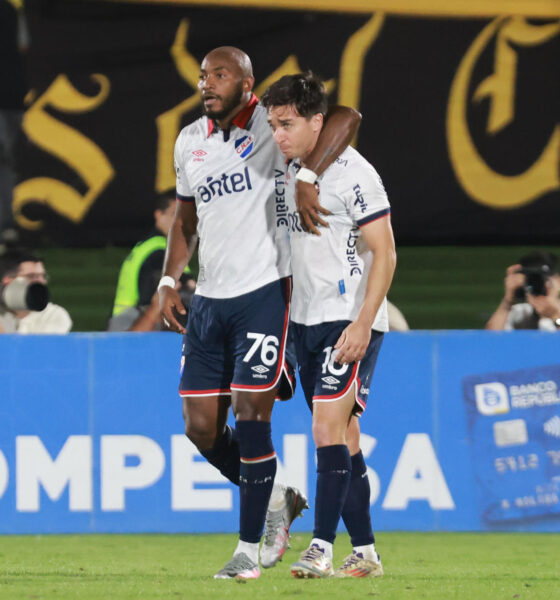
column 326, row 546
column 248, row 548
column 276, row 501
column 368, row 552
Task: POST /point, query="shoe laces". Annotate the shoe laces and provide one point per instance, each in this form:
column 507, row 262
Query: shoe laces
column 274, row 521
column 312, row 553
column 352, row 560
column 239, row 562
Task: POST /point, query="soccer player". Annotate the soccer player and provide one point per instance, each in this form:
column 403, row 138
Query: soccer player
column 339, row 314
column 230, row 187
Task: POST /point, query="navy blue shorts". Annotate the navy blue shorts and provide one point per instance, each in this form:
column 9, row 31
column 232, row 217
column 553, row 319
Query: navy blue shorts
column 322, row 378
column 238, row 343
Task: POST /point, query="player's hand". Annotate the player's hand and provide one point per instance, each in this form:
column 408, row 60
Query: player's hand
column 170, row 305
column 549, row 305
column 352, row 343
column 512, row 281
column 308, row 207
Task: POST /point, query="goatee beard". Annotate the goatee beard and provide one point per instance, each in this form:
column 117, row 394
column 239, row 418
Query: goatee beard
column 227, row 105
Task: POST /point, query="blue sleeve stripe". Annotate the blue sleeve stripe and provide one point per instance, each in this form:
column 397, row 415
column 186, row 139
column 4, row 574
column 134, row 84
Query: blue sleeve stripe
column 185, row 198
column 374, row 216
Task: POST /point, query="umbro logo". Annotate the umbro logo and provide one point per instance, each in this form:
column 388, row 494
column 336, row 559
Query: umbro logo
column 199, row 155
column 260, row 369
column 330, row 380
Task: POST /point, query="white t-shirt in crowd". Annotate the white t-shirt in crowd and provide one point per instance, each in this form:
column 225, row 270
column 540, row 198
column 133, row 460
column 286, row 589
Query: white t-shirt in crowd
column 52, row 319
column 523, row 316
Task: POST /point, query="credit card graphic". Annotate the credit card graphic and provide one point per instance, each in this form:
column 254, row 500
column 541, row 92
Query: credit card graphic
column 513, row 421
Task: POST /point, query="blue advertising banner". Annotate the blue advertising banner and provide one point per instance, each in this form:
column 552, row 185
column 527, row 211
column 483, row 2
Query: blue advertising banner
column 461, row 432
column 514, row 430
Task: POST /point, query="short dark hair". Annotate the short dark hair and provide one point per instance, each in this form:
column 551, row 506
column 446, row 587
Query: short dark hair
column 12, row 259
column 305, row 91
column 540, row 258
column 163, row 202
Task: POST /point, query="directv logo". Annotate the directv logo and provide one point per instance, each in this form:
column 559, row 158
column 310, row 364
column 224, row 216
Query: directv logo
column 552, row 426
column 491, row 398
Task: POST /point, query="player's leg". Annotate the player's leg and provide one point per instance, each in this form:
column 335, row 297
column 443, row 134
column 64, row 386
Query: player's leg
column 206, row 373
column 259, row 328
column 330, row 420
column 252, row 412
column 206, row 427
column 364, row 560
column 286, row 502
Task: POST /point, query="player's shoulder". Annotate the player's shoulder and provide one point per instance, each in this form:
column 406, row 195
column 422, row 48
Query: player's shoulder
column 197, row 130
column 352, row 159
column 259, row 119
column 350, row 164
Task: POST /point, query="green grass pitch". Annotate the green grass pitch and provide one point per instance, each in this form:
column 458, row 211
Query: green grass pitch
column 434, row 566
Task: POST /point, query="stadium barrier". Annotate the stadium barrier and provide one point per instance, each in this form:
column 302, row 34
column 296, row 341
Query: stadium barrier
column 462, row 432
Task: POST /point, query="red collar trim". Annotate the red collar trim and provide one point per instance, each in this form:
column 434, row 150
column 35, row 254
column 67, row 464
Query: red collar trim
column 241, row 118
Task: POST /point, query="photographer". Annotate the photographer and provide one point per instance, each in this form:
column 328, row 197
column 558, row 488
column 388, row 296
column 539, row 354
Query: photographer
column 532, row 295
column 24, row 305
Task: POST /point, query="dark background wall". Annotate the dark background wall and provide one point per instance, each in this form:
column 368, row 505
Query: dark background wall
column 108, row 98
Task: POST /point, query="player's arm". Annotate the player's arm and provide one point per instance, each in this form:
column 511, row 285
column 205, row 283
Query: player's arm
column 341, row 125
column 181, row 242
column 354, row 340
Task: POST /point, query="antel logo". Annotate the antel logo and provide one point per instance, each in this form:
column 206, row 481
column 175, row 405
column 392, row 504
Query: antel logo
column 491, row 398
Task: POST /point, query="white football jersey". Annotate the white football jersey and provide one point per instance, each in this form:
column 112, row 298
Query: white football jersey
column 331, row 270
column 236, row 178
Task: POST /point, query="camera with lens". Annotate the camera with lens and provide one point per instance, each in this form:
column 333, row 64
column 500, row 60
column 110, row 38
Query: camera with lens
column 535, row 282
column 22, row 294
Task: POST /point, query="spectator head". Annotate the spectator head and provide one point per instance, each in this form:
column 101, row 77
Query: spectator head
column 21, row 263
column 540, row 258
column 164, row 212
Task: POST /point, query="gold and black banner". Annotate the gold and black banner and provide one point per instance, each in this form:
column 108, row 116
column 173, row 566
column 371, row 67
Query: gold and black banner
column 460, row 113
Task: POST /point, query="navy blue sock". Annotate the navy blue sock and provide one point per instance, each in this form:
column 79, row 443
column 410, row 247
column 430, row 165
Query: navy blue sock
column 257, row 471
column 333, row 479
column 224, row 455
column 355, row 513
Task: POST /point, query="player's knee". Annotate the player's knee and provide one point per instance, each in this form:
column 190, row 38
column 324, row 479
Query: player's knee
column 327, row 433
column 253, row 406
column 200, row 433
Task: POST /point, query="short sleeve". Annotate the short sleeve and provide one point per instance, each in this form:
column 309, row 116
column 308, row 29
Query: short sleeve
column 365, row 195
column 183, row 188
